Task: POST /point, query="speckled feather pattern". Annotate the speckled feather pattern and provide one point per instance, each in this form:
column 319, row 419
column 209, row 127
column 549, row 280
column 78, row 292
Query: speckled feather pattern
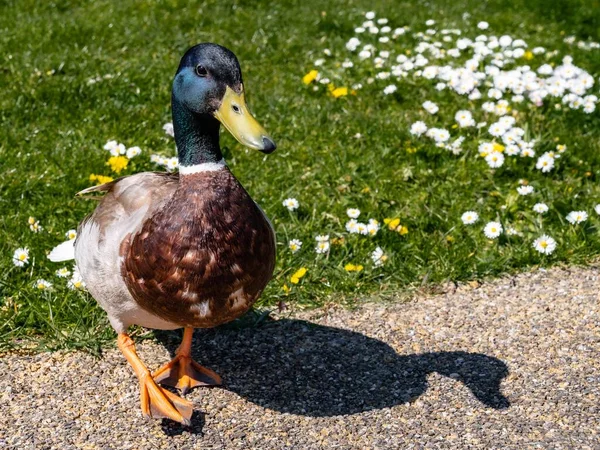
column 205, row 257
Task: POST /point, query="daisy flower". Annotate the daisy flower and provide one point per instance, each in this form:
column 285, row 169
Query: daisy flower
column 540, row 208
column 378, row 257
column 352, row 226
column 545, row 163
column 168, row 128
column 390, row 89
column 372, row 227
column 575, row 217
column 63, row 273
column 71, row 234
column 322, row 246
column 492, row 230
column 597, row 209
column 295, row 245
column 418, row 128
column 495, row 160
column 544, row 244
column 132, row 152
column 430, row 107
column 76, row 282
column 21, row 257
column 42, row 284
column 469, row 217
column 361, row 228
column 291, row 204
column 483, row 25
column 353, row 213
column 34, row 225
column 525, row 190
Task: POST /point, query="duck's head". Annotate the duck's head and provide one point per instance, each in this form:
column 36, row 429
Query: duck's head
column 208, row 83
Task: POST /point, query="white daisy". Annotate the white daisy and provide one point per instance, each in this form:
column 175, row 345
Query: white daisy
column 378, row 257
column 492, row 230
column 132, row 152
column 322, row 247
column 469, row 217
column 42, row 284
column 372, row 227
column 495, row 160
column 483, row 25
column 575, row 217
column 418, row 128
column 71, row 234
column 544, row 244
column 430, row 107
column 352, row 226
column 597, row 209
column 21, row 257
column 540, row 208
column 390, row 89
column 353, row 213
column 76, row 282
column 525, row 190
column 291, row 204
column 295, row 245
column 168, row 127
column 63, row 272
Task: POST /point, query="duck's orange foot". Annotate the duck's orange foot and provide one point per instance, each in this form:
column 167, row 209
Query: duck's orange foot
column 183, row 373
column 159, row 403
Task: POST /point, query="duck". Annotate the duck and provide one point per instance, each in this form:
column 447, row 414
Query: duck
column 181, row 250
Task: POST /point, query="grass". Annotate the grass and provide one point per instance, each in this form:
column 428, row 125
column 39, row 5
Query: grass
column 54, row 125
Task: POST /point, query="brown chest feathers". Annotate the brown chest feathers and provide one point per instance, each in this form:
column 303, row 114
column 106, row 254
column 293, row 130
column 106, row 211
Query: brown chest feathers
column 204, row 258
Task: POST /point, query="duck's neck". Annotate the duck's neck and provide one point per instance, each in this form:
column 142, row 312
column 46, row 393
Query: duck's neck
column 196, row 136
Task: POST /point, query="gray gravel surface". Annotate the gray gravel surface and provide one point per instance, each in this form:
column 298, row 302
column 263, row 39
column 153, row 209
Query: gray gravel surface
column 509, row 364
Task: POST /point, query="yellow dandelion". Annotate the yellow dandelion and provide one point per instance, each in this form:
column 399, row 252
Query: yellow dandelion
column 498, row 147
column 353, row 268
column 117, row 163
column 528, row 55
column 100, row 179
column 295, row 278
column 340, row 92
column 310, row 77
column 285, row 288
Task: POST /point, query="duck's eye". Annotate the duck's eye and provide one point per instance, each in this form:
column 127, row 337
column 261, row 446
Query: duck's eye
column 201, row 70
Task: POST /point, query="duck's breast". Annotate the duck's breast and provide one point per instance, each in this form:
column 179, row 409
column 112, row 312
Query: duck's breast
column 205, row 257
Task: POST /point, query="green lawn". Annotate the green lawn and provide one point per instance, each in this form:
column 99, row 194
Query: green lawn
column 55, row 122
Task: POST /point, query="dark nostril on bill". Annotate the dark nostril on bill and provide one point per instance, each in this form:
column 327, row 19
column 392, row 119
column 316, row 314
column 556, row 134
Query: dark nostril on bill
column 268, row 145
column 236, row 108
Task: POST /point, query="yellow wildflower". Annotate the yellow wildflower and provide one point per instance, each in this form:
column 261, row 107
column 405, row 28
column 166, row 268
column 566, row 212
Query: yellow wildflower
column 295, row 278
column 365, row 190
column 528, row 55
column 353, row 268
column 286, row 289
column 340, row 92
column 392, row 223
column 310, row 77
column 498, row 147
column 403, row 230
column 31, row 220
column 117, row 163
column 100, row 179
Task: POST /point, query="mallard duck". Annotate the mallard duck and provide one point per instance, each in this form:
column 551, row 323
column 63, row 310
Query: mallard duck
column 181, row 250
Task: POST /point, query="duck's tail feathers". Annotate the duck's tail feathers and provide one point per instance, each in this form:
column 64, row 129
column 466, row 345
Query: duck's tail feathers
column 63, row 252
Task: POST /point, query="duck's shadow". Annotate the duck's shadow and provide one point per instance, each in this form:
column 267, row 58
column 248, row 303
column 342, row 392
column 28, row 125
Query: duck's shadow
column 299, row 367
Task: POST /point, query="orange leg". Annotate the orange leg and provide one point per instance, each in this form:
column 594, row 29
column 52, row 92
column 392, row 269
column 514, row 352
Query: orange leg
column 182, row 372
column 156, row 402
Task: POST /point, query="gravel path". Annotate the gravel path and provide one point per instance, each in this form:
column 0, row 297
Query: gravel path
column 510, row 364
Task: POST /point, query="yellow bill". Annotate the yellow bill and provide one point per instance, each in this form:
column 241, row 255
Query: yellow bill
column 234, row 115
